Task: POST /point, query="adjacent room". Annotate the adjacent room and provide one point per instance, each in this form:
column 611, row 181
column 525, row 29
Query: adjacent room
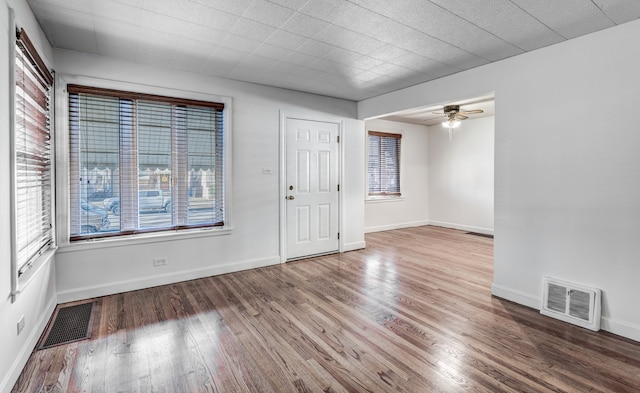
column 319, row 196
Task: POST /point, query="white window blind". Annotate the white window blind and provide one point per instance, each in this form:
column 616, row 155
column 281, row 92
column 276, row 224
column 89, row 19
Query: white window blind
column 32, row 155
column 384, row 163
column 143, row 163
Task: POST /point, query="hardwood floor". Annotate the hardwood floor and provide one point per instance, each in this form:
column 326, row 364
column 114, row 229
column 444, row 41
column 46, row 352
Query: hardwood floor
column 411, row 313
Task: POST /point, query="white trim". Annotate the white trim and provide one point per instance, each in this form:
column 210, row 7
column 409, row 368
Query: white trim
column 62, row 154
column 390, row 198
column 144, row 238
column 391, row 227
column 6, row 385
column 516, row 296
column 462, row 227
column 163, row 279
column 15, row 283
column 620, row 328
column 354, row 246
column 383, row 199
column 284, row 115
column 24, row 280
column 20, row 281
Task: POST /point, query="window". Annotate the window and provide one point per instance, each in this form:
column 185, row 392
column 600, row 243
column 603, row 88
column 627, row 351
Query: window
column 384, row 164
column 143, row 163
column 32, row 179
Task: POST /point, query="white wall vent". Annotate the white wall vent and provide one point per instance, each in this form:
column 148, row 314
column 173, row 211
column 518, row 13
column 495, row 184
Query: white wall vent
column 573, row 303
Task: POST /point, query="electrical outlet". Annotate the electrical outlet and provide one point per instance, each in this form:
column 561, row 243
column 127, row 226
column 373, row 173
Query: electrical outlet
column 20, row 324
column 159, row 261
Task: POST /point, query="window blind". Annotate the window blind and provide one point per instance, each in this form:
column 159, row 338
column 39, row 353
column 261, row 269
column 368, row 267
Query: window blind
column 384, row 163
column 143, row 163
column 32, row 146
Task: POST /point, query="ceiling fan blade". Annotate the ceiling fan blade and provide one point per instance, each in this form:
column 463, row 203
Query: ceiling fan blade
column 437, row 113
column 473, row 111
column 460, row 116
column 435, row 117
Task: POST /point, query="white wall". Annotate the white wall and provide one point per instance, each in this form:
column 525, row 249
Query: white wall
column 567, row 180
column 411, row 209
column 461, row 176
column 353, row 185
column 103, row 267
column 38, row 299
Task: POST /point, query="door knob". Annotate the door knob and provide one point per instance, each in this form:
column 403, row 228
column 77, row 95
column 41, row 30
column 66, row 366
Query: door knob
column 290, row 197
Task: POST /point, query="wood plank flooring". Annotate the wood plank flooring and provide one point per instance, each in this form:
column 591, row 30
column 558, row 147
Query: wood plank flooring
column 411, row 313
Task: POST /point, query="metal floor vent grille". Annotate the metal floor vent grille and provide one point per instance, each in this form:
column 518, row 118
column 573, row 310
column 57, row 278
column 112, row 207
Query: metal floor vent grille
column 71, row 323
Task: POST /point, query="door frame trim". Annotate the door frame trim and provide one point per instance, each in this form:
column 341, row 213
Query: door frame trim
column 284, row 116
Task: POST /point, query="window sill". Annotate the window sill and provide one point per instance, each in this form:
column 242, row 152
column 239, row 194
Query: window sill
column 155, row 237
column 384, row 199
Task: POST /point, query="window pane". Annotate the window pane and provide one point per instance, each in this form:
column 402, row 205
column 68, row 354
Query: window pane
column 384, row 164
column 95, row 141
column 374, row 164
column 201, row 136
column 143, row 164
column 32, row 147
column 154, row 164
column 390, row 165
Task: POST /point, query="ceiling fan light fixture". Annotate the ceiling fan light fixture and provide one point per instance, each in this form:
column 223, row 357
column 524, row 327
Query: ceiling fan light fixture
column 451, row 123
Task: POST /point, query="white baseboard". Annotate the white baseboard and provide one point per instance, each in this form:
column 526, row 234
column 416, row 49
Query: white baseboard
column 620, row 328
column 21, row 360
column 462, row 227
column 515, row 296
column 169, row 278
column 390, row 227
column 354, row 246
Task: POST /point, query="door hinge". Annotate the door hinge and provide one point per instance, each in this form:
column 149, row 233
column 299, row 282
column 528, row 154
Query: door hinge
column 338, row 235
column 338, row 187
column 338, row 138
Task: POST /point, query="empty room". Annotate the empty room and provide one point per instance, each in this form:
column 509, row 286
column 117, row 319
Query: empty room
column 319, row 196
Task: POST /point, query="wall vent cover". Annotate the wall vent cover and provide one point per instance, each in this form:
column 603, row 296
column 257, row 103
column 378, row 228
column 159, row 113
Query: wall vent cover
column 573, row 303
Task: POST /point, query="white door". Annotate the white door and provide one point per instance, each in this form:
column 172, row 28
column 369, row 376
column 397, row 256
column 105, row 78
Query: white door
column 312, row 188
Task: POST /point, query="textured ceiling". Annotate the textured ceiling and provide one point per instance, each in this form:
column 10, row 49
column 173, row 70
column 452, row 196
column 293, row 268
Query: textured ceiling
column 353, row 49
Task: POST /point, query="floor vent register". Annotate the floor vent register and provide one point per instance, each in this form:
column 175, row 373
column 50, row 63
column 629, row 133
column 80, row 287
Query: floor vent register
column 69, row 324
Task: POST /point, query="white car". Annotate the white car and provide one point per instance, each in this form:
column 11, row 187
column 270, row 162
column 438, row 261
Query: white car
column 147, row 200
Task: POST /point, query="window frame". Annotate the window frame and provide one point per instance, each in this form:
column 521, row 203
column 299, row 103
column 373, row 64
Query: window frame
column 63, row 152
column 24, row 269
column 385, row 196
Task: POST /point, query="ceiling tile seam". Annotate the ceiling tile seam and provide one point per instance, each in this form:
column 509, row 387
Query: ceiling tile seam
column 326, row 43
column 93, row 21
column 603, row 13
column 346, row 64
column 226, row 34
column 280, row 5
column 371, row 38
column 422, row 32
column 93, row 32
column 541, row 22
column 481, row 28
column 277, row 29
column 313, row 38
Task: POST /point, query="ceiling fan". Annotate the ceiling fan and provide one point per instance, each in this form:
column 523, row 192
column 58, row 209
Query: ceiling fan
column 454, row 115
column 453, row 112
